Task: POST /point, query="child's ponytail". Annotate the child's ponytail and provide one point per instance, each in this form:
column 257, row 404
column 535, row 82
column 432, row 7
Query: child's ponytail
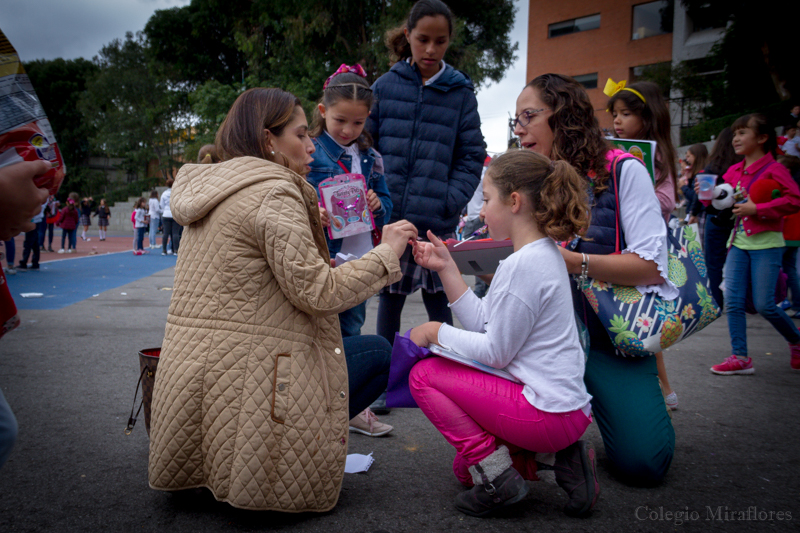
column 555, row 189
column 563, row 207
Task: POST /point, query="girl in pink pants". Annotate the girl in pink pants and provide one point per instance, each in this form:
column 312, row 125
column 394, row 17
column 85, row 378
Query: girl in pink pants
column 526, row 325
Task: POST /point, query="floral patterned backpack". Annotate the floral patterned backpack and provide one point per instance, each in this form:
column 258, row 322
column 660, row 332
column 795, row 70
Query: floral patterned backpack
column 641, row 325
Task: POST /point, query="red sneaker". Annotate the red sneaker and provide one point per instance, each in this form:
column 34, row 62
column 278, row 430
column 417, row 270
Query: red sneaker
column 795, row 348
column 734, row 365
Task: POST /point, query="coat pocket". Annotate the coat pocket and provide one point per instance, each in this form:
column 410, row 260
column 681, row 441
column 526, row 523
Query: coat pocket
column 280, row 387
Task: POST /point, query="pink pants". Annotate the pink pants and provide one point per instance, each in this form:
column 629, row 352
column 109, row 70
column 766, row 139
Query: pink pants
column 476, row 412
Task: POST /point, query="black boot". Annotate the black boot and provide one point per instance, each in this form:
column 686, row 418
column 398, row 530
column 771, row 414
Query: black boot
column 575, row 473
column 497, row 484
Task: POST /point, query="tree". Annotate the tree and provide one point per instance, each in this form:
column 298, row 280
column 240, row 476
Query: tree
column 136, row 113
column 295, row 45
column 59, row 84
column 753, row 66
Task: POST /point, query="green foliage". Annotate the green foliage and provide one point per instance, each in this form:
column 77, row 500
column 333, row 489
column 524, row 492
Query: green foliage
column 295, row 46
column 136, row 114
column 753, row 66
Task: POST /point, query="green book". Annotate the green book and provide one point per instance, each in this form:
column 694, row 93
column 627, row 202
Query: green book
column 643, row 150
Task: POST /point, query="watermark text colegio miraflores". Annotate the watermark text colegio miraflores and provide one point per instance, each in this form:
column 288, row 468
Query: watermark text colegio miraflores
column 720, row 513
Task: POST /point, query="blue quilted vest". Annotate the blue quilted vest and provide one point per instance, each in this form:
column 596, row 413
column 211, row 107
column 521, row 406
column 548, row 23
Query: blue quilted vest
column 599, row 239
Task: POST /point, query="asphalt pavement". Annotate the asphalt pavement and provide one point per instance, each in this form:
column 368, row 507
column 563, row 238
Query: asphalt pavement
column 69, row 374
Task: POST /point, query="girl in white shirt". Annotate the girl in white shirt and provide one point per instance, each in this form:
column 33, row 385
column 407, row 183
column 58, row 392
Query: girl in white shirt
column 525, row 324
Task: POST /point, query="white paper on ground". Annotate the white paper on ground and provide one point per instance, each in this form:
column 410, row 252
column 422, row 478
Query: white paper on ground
column 357, row 462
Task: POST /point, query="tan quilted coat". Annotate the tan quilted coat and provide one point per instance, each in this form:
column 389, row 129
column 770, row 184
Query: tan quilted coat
column 251, row 394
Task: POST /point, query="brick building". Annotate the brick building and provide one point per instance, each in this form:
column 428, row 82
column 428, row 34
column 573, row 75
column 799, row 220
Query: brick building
column 593, row 40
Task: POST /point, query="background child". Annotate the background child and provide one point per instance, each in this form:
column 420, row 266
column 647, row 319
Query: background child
column 68, row 222
column 718, row 223
column 791, row 237
column 342, row 146
column 51, row 217
column 87, row 205
column 696, row 157
column 102, row 213
column 640, row 112
column 527, row 327
column 756, row 245
column 140, row 224
column 425, row 123
column 154, row 212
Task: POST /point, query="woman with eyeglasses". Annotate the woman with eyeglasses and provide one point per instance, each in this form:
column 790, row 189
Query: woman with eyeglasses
column 556, row 118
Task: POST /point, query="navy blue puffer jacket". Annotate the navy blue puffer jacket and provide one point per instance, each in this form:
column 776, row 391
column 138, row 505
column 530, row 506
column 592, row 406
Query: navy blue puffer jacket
column 431, row 142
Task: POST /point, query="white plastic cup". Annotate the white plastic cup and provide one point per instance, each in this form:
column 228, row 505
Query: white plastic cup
column 706, row 183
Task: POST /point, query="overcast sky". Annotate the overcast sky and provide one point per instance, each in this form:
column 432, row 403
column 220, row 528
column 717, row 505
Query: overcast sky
column 47, row 29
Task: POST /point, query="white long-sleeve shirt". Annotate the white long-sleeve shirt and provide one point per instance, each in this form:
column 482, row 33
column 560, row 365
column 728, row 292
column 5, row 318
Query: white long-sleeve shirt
column 526, row 324
column 165, row 210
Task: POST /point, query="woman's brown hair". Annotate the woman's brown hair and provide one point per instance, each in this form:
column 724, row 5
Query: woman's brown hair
column 344, row 86
column 577, row 137
column 556, row 191
column 244, row 130
column 656, row 125
column 700, row 153
column 399, row 48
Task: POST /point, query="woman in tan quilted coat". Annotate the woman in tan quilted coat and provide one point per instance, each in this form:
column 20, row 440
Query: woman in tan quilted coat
column 251, row 395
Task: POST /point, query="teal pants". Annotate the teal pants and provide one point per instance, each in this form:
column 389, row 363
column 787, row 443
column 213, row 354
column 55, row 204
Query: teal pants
column 629, row 409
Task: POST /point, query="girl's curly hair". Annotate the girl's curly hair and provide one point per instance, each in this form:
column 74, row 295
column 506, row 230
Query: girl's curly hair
column 577, row 137
column 556, row 191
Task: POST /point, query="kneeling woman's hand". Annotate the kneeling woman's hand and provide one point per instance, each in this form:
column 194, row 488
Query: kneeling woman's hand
column 426, row 334
column 399, row 235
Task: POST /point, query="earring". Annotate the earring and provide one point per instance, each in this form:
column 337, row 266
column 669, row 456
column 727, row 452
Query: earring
column 272, row 152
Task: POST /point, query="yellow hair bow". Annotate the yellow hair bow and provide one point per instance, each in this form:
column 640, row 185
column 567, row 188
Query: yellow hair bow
column 613, row 88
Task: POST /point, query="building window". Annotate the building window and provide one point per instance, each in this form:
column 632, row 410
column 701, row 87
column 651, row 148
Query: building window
column 652, row 18
column 589, row 81
column 592, row 22
column 708, row 16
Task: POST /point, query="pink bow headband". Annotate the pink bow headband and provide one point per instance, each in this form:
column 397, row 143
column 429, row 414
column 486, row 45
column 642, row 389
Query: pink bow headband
column 355, row 69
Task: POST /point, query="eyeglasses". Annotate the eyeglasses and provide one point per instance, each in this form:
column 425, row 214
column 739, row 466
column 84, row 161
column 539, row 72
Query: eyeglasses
column 524, row 118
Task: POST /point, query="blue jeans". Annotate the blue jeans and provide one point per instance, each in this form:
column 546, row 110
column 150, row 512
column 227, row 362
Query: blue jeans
column 351, row 320
column 368, row 359
column 8, row 429
column 73, row 236
column 790, row 267
column 759, row 269
column 154, row 222
column 171, row 232
column 716, row 250
column 140, row 238
column 11, row 252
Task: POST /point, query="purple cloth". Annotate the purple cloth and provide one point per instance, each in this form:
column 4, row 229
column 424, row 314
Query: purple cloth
column 405, row 355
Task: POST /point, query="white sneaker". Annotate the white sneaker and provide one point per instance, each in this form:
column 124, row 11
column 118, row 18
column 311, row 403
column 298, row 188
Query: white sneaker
column 368, row 424
column 70, row 251
column 10, row 270
column 169, row 252
column 61, row 251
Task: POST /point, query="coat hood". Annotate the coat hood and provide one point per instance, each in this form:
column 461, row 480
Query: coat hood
column 200, row 188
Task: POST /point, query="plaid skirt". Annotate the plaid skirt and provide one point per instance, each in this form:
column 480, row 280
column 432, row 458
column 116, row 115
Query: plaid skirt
column 415, row 277
column 102, row 222
column 86, row 220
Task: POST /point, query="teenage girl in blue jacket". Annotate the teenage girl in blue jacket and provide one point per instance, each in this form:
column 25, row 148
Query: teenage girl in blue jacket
column 425, row 123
